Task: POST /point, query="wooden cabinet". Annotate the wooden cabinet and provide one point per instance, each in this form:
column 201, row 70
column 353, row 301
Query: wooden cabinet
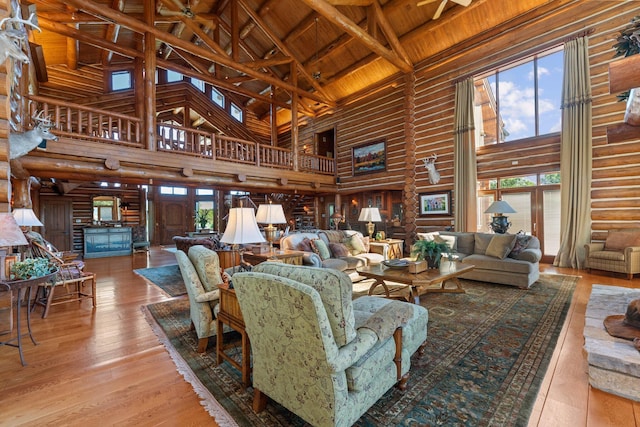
column 103, row 242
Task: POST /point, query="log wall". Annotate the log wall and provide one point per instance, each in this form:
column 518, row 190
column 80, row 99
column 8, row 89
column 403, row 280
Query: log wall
column 5, row 170
column 616, row 166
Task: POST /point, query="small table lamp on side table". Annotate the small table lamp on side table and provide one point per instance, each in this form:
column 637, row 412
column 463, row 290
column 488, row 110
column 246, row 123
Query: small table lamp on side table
column 270, row 214
column 241, row 228
column 371, row 215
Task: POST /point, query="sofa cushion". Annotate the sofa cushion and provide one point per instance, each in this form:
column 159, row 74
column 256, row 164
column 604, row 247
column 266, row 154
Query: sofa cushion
column 354, row 262
column 481, row 243
column 484, row 262
column 331, row 236
column 335, row 263
column 207, row 264
column 465, row 241
column 338, row 250
column 320, row 247
column 619, row 240
column 500, row 245
column 450, row 241
column 305, row 245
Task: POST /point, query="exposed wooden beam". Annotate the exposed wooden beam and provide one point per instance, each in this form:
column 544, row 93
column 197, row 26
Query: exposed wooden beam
column 391, row 36
column 138, row 26
column 350, row 2
column 262, row 63
column 334, row 15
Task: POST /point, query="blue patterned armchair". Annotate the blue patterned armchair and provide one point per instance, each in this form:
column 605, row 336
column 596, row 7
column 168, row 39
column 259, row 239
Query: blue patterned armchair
column 321, row 355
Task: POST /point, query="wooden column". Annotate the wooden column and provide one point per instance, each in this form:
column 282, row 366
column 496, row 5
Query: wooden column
column 149, row 79
column 295, row 142
column 274, row 118
column 5, row 116
column 410, row 195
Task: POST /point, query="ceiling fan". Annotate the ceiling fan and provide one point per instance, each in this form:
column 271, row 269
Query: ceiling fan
column 436, row 15
column 185, row 11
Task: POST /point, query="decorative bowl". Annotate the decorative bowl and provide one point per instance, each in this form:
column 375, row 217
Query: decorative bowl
column 396, row 263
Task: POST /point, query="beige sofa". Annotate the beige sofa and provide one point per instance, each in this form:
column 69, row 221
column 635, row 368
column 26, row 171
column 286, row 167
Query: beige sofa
column 507, row 259
column 336, row 259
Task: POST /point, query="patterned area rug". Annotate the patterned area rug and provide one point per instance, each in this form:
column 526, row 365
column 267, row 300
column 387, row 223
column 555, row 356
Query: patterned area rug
column 487, row 353
column 168, row 278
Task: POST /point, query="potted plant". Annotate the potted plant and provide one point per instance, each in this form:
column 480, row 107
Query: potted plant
column 202, row 218
column 32, row 268
column 430, row 251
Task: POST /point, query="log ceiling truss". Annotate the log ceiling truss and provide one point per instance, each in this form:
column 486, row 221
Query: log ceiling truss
column 251, row 48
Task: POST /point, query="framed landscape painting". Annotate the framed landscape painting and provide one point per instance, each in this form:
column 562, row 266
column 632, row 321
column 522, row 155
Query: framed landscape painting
column 435, row 203
column 370, row 157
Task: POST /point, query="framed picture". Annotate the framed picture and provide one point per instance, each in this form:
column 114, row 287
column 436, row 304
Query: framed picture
column 370, row 157
column 435, row 203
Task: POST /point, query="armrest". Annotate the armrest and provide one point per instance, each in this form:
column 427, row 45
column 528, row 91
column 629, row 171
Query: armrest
column 208, row 296
column 350, row 353
column 593, row 247
column 312, row 259
column 530, row 254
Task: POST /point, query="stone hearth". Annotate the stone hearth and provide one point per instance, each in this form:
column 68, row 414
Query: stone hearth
column 614, row 364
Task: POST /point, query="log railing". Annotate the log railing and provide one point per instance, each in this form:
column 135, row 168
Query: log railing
column 79, row 121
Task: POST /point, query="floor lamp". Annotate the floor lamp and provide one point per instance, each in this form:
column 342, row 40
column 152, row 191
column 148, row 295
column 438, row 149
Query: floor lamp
column 270, row 214
column 500, row 223
column 372, row 215
column 242, row 228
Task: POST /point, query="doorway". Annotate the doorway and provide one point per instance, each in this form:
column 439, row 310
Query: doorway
column 325, row 142
column 57, row 219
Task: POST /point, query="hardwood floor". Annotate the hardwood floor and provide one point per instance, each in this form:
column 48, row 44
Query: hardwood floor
column 106, row 366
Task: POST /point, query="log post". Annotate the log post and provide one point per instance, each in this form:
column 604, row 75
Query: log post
column 149, row 118
column 409, row 197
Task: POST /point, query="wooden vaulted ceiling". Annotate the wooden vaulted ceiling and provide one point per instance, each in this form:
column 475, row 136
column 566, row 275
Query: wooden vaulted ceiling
column 259, row 51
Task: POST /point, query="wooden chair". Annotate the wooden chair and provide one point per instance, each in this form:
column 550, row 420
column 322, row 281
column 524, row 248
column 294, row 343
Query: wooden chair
column 74, row 280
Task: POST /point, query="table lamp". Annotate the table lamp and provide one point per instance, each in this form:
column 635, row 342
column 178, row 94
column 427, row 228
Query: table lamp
column 270, row 214
column 241, row 228
column 500, row 224
column 10, row 235
column 25, row 217
column 372, row 215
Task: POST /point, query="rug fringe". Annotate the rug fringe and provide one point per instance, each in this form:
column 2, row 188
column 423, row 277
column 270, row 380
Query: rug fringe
column 210, row 404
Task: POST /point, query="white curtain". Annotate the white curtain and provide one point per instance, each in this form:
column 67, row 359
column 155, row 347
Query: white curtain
column 575, row 156
column 465, row 169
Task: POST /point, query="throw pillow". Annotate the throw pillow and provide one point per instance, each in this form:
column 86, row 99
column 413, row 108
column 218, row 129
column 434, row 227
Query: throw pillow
column 321, row 248
column 500, row 245
column 482, row 241
column 427, row 236
column 338, row 250
column 355, row 244
column 365, row 244
column 449, row 240
column 305, row 245
column 522, row 241
column 619, row 240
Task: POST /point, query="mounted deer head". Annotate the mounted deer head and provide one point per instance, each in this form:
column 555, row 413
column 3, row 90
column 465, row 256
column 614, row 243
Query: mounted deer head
column 21, row 143
column 11, row 39
column 430, row 165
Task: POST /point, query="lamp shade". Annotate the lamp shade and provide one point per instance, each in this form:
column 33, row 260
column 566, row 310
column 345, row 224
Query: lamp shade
column 10, row 233
column 370, row 215
column 270, row 214
column 500, row 206
column 25, row 217
column 242, row 227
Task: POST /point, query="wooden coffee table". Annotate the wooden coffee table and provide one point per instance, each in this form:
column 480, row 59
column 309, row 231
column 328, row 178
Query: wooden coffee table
column 419, row 283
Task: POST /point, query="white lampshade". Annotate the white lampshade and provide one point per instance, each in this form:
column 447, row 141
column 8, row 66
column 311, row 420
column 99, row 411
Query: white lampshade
column 500, row 207
column 270, row 214
column 242, row 227
column 25, row 217
column 370, row 215
column 10, row 233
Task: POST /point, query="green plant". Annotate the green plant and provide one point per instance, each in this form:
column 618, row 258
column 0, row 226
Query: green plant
column 429, row 250
column 31, row 268
column 628, row 43
column 203, row 216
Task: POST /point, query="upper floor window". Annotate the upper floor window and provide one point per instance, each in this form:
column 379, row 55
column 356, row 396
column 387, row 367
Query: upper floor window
column 236, row 112
column 173, row 76
column 199, row 84
column 217, row 97
column 121, row 80
column 521, row 100
column 176, row 191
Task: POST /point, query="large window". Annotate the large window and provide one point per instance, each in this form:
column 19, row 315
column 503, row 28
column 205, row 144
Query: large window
column 521, row 100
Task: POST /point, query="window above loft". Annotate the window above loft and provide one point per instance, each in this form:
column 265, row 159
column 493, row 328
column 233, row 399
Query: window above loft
column 199, row 84
column 121, row 80
column 176, row 191
column 217, row 97
column 520, row 100
column 236, row 112
column 173, row 76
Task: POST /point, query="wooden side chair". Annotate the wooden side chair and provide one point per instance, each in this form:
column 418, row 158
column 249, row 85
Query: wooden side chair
column 78, row 285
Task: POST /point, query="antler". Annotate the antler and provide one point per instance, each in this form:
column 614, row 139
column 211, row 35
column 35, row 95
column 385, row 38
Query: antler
column 43, row 121
column 30, row 21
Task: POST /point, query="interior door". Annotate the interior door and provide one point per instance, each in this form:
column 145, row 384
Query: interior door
column 57, row 217
column 176, row 219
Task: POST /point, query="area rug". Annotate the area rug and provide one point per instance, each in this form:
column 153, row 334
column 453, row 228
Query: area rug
column 487, row 353
column 168, row 278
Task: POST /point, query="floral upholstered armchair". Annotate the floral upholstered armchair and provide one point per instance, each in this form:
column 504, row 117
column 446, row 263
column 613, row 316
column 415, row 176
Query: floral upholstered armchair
column 201, row 275
column 321, row 355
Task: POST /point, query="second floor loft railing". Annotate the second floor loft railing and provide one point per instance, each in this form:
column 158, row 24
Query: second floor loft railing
column 82, row 122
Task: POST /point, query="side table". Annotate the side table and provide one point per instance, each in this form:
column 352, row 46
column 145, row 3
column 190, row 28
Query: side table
column 287, row 256
column 231, row 315
column 395, row 247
